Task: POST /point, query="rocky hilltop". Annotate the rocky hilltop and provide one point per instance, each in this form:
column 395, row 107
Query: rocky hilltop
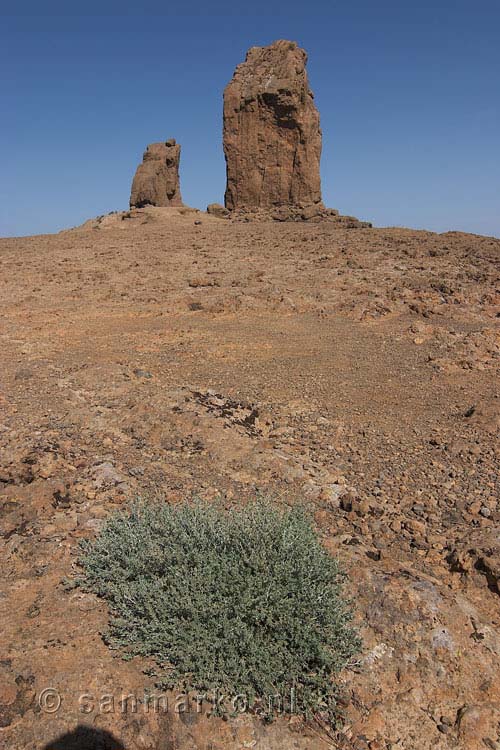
column 171, row 352
column 271, row 131
column 156, row 180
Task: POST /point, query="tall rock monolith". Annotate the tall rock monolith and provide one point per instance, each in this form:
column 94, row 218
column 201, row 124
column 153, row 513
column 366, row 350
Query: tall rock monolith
column 272, row 134
column 156, row 181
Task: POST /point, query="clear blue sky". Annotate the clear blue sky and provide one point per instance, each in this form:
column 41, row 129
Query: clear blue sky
column 409, row 96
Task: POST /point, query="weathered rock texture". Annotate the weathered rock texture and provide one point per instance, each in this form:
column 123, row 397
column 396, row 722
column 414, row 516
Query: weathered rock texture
column 156, row 180
column 272, row 135
column 215, row 209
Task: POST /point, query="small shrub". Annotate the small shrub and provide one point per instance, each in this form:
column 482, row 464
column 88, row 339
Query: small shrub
column 243, row 601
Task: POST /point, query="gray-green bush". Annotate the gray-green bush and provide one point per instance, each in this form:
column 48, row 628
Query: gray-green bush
column 244, row 601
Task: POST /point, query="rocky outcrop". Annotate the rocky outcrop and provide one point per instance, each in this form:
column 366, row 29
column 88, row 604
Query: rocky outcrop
column 215, row 209
column 156, row 181
column 272, row 135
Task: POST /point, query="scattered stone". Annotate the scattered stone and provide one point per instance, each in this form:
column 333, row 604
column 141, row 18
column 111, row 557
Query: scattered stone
column 215, row 209
column 24, row 373
column 142, row 374
column 444, row 728
column 312, row 211
column 105, row 475
column 346, row 502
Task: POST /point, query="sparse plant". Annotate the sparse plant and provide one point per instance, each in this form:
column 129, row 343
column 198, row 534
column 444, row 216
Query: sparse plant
column 242, row 601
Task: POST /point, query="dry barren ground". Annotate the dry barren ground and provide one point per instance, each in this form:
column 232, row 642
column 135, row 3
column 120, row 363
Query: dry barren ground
column 169, row 351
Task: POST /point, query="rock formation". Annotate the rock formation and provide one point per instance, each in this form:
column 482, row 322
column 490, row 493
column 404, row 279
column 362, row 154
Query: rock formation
column 156, row 181
column 215, row 209
column 272, row 135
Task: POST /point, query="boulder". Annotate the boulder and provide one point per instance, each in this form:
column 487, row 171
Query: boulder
column 310, row 212
column 215, row 209
column 271, row 133
column 156, row 181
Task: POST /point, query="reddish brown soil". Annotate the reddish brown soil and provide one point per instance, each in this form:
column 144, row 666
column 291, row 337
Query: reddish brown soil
column 356, row 368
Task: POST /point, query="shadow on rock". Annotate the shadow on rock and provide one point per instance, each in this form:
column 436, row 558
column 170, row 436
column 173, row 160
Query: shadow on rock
column 86, row 738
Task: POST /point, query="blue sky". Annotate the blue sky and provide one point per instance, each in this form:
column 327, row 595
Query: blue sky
column 409, row 97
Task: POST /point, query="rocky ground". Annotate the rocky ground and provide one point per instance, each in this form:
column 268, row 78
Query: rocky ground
column 168, row 351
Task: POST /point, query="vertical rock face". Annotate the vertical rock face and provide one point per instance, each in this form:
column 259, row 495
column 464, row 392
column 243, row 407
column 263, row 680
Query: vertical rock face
column 272, row 135
column 156, row 181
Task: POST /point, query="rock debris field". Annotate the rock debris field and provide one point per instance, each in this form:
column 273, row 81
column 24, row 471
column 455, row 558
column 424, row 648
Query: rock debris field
column 168, row 351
